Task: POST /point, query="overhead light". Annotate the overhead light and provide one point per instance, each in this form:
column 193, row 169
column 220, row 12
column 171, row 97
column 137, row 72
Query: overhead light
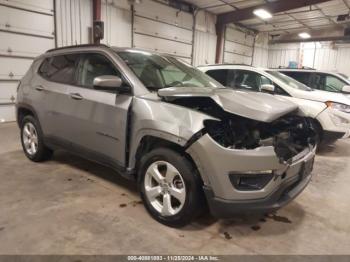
column 262, row 13
column 304, row 35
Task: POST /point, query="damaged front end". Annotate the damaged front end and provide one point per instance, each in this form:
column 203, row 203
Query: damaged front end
column 254, row 153
column 289, row 135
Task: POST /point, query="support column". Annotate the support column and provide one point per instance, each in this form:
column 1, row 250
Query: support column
column 96, row 16
column 220, row 33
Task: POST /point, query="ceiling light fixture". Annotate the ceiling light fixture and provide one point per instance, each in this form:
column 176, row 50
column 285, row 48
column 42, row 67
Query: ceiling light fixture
column 304, row 35
column 262, row 13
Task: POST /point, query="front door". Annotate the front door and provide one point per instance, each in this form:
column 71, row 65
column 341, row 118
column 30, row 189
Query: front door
column 98, row 119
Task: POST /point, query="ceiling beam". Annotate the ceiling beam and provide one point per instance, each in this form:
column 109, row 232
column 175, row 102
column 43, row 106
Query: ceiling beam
column 330, row 33
column 272, row 7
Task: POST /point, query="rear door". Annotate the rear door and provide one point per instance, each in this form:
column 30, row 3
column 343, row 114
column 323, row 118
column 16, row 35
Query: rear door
column 97, row 119
column 58, row 73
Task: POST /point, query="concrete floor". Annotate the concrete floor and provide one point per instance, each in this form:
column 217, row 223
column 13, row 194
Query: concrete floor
column 72, row 206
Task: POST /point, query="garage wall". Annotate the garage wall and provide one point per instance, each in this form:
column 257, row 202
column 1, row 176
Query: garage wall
column 205, row 39
column 26, row 30
column 326, row 56
column 158, row 27
column 319, row 55
column 238, row 45
column 282, row 54
column 117, row 19
column 73, row 22
column 261, row 50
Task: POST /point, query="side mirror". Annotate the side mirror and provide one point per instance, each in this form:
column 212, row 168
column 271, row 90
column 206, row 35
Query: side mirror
column 110, row 83
column 267, row 88
column 346, row 89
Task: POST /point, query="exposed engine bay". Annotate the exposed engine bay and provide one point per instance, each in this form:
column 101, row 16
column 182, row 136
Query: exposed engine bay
column 289, row 134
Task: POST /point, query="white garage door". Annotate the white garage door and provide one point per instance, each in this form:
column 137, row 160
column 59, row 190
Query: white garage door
column 238, row 46
column 26, row 31
column 158, row 27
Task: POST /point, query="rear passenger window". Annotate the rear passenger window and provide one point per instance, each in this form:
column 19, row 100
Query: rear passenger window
column 60, row 68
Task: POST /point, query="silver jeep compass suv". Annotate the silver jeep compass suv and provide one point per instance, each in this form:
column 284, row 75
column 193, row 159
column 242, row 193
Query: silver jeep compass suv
column 188, row 141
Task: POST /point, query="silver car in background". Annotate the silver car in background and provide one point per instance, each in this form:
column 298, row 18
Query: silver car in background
column 188, row 141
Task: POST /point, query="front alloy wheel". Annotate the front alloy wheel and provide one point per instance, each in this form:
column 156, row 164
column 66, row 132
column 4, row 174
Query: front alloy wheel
column 170, row 187
column 165, row 188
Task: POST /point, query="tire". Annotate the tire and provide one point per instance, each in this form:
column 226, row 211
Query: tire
column 32, row 140
column 177, row 175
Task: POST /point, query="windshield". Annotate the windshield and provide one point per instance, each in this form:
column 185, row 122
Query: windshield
column 160, row 71
column 289, row 81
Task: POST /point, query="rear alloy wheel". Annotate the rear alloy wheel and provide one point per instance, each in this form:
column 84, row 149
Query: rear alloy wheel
column 170, row 187
column 33, row 141
column 30, row 138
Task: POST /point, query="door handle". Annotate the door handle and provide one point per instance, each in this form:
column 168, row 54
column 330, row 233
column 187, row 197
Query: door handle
column 39, row 88
column 76, row 96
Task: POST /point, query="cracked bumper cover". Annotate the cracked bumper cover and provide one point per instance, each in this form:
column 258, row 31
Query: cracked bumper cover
column 215, row 163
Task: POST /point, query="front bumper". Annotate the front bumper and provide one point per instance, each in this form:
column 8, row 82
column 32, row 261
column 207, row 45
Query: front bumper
column 287, row 191
column 216, row 163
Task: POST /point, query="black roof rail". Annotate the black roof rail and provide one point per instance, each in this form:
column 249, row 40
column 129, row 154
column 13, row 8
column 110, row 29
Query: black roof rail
column 76, row 46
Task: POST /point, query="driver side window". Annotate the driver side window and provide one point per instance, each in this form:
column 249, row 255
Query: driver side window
column 247, row 79
column 94, row 65
column 250, row 80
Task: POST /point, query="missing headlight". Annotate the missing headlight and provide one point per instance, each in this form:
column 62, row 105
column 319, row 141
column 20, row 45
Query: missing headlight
column 288, row 135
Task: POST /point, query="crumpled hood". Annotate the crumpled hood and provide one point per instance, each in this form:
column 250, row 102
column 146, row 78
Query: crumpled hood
column 253, row 105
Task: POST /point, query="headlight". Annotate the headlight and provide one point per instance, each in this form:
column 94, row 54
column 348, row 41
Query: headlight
column 341, row 107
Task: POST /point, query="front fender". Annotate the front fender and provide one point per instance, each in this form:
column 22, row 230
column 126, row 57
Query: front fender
column 167, row 121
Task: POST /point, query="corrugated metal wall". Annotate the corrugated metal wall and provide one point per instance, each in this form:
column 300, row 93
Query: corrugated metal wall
column 319, row 55
column 161, row 28
column 73, row 22
column 343, row 58
column 261, row 50
column 238, row 45
column 117, row 19
column 205, row 39
column 282, row 54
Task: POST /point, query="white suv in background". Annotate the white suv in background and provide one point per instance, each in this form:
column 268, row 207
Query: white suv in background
column 330, row 111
